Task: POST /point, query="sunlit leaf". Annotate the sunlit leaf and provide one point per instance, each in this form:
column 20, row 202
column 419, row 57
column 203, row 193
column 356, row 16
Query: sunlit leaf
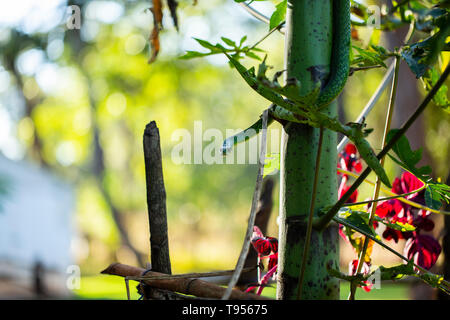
column 272, row 164
column 421, row 55
column 278, row 15
column 440, row 98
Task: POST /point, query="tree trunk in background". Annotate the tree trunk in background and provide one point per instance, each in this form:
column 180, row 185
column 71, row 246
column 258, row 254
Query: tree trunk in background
column 308, row 45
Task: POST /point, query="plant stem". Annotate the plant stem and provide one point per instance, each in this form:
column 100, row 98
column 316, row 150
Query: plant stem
column 384, row 198
column 310, row 217
column 266, row 35
column 323, row 221
column 376, row 192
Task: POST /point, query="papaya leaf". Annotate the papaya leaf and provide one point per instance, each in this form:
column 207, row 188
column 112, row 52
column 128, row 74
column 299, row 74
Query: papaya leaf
column 230, row 46
column 354, row 219
column 229, row 42
column 408, row 158
column 374, row 55
column 421, row 55
column 396, row 272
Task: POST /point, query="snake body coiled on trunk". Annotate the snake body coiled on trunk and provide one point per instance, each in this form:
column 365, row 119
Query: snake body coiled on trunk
column 340, row 62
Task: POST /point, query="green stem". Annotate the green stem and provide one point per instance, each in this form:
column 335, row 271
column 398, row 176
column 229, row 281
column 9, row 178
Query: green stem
column 266, row 35
column 310, row 217
column 387, row 127
column 323, row 221
column 309, row 34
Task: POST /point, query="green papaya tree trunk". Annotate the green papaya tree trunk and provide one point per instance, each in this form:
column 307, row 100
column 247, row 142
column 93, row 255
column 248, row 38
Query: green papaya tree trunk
column 308, row 48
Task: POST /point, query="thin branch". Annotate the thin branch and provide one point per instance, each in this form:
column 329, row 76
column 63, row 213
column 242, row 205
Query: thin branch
column 310, row 217
column 324, row 220
column 278, row 27
column 385, row 198
column 376, row 193
column 251, row 220
column 393, row 195
column 356, row 69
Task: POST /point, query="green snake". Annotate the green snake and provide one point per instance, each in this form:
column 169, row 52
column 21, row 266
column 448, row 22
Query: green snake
column 340, row 61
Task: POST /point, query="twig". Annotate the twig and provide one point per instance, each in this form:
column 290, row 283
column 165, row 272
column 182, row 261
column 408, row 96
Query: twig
column 266, row 35
column 190, row 286
column 385, row 198
column 189, row 275
column 356, row 69
column 156, row 200
column 310, row 217
column 393, row 195
column 251, row 220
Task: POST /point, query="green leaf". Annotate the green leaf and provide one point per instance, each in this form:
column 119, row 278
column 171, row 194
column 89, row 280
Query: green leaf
column 440, row 98
column 229, row 42
column 432, row 198
column 278, row 15
column 354, row 219
column 403, row 227
column 422, row 55
column 271, row 164
column 370, row 57
column 207, row 45
column 252, row 55
column 243, row 39
column 408, row 157
column 436, row 193
column 193, row 54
